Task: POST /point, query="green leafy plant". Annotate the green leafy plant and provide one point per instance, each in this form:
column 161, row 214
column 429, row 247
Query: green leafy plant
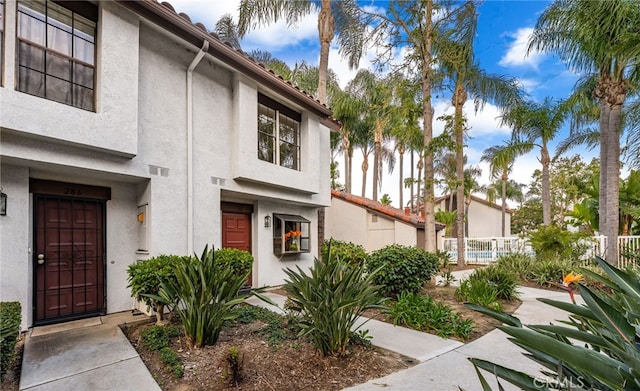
column 234, row 361
column 350, row 253
column 239, row 261
column 145, row 278
column 552, row 242
column 277, row 328
column 478, row 292
column 173, row 361
column 203, row 295
column 505, row 283
column 329, row 301
column 424, row 314
column 518, row 264
column 157, row 337
column 402, row 268
column 598, row 348
column 551, row 270
column 10, row 318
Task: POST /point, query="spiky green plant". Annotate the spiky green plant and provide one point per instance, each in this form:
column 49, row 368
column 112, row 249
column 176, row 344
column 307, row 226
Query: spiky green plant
column 598, row 348
column 329, row 300
column 203, row 295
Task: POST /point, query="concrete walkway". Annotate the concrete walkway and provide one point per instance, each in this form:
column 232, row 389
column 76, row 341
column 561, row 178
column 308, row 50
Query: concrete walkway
column 94, row 354
column 89, row 354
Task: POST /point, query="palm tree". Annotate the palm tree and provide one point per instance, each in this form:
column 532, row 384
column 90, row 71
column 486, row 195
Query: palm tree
column 500, row 159
column 598, row 37
column 334, row 16
column 227, row 30
column 469, row 81
column 535, row 125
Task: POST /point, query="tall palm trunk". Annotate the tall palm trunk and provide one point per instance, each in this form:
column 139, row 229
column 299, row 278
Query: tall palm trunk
column 326, row 27
column 617, row 97
column 347, row 161
column 419, row 184
column 350, row 170
column 377, row 141
column 545, row 159
column 504, row 203
column 601, row 93
column 427, row 115
column 401, row 183
column 459, row 98
column 365, row 168
column 413, row 185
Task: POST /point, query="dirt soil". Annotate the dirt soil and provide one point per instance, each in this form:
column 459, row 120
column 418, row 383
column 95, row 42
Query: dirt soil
column 294, row 365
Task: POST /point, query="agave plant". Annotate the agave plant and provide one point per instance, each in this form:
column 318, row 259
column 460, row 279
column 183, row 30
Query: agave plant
column 598, row 348
column 329, row 300
column 203, row 295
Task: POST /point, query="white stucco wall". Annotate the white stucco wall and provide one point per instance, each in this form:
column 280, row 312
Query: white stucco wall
column 486, row 221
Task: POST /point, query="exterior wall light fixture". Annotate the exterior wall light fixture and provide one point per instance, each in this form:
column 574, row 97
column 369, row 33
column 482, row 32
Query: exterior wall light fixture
column 3, row 203
column 267, row 221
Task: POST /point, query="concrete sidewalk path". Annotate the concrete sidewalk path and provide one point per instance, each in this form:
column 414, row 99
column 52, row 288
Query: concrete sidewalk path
column 90, row 354
column 452, row 370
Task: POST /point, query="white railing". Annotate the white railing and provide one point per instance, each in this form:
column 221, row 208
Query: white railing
column 487, row 250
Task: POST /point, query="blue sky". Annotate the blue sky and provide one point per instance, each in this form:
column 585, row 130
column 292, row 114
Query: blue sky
column 503, row 30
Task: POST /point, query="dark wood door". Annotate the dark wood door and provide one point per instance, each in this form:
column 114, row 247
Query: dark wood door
column 68, row 258
column 236, row 233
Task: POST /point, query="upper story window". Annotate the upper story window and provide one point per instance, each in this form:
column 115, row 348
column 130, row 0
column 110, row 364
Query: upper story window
column 278, row 133
column 56, row 51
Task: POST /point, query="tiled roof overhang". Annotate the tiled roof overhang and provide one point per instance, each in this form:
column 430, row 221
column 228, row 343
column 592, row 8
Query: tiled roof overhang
column 180, row 25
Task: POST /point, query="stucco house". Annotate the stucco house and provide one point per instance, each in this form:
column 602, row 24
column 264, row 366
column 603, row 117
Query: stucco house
column 484, row 219
column 127, row 131
column 372, row 225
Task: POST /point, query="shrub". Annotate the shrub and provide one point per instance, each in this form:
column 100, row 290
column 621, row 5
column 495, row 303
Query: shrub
column 598, row 348
column 276, row 328
column 239, row 261
column 145, row 278
column 234, row 365
column 548, row 270
column 350, row 253
column 329, row 301
column 506, row 283
column 478, row 292
column 10, row 318
column 203, row 295
column 402, row 268
column 553, row 242
column 424, row 314
column 157, row 337
column 520, row 265
column 173, row 361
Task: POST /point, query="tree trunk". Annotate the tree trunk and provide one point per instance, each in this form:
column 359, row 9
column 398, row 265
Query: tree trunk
column 376, row 158
column 347, row 161
column 159, row 314
column 401, row 184
column 601, row 92
column 459, row 98
column 365, row 168
column 326, row 27
column 427, row 114
column 419, row 184
column 504, row 203
column 546, row 198
column 413, row 185
column 350, row 171
column 612, row 190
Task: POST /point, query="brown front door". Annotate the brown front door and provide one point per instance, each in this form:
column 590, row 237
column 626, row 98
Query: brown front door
column 69, row 265
column 236, row 233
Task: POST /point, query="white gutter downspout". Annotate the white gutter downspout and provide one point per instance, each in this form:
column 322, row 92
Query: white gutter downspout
column 194, row 63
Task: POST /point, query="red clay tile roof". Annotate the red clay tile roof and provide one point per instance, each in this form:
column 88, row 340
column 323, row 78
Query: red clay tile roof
column 377, row 207
column 164, row 15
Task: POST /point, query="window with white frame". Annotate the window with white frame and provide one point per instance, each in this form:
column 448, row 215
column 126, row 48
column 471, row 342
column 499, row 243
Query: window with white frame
column 56, row 51
column 278, row 133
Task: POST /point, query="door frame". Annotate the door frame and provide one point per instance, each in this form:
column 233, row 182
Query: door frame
column 74, row 192
column 244, row 209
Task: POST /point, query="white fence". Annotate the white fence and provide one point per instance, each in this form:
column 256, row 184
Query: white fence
column 487, row 250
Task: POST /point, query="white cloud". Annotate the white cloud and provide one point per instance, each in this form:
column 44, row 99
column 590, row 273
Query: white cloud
column 485, row 122
column 516, row 54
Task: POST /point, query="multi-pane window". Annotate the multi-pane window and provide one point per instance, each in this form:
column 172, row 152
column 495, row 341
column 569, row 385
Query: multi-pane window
column 56, row 51
column 278, row 133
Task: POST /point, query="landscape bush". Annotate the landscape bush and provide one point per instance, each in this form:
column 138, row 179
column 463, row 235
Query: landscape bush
column 10, row 318
column 423, row 313
column 505, row 283
column 597, row 349
column 145, row 278
column 551, row 242
column 518, row 264
column 329, row 301
column 402, row 268
column 240, row 261
column 203, row 295
column 478, row 292
column 353, row 254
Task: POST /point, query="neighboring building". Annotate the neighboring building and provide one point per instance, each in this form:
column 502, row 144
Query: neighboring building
column 371, row 224
column 127, row 132
column 484, row 219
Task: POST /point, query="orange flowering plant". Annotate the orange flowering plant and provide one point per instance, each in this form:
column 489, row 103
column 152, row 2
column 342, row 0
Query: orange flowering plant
column 567, row 282
column 292, row 234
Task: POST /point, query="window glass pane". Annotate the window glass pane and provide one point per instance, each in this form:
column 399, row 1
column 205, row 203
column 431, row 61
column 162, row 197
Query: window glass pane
column 59, row 40
column 31, row 29
column 59, row 16
column 83, row 75
column 31, row 82
column 58, row 66
column 288, row 130
column 83, row 50
column 266, row 146
column 266, row 120
column 288, row 155
column 84, row 28
column 31, row 57
column 82, row 97
column 58, row 90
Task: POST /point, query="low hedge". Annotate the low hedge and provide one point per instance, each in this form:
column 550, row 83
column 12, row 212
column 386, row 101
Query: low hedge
column 10, row 318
